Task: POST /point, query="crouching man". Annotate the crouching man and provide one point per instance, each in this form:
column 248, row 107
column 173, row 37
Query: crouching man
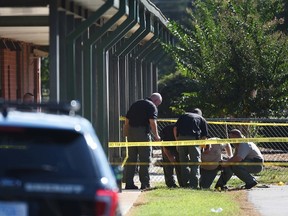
column 245, row 152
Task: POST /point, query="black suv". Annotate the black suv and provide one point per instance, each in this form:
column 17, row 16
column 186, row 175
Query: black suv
column 52, row 164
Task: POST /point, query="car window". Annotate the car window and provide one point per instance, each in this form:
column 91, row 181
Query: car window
column 33, row 152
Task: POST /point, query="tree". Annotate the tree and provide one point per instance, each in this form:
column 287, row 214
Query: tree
column 172, row 9
column 237, row 54
column 45, row 79
column 170, row 87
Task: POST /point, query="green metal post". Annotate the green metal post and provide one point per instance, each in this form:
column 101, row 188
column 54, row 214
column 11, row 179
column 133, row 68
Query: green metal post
column 101, row 114
column 71, row 50
column 88, row 58
column 146, row 47
column 137, row 36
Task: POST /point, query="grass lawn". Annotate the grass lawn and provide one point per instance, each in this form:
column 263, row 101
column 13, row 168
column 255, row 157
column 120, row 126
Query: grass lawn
column 182, row 202
column 164, row 201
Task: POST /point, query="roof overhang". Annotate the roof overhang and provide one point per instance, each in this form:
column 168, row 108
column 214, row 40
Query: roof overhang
column 28, row 21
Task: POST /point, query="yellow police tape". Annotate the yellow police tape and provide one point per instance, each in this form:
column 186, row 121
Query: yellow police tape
column 126, row 156
column 122, row 118
column 203, row 163
column 249, row 123
column 203, row 142
column 196, row 142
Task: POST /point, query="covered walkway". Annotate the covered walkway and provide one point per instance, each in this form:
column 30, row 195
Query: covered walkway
column 102, row 53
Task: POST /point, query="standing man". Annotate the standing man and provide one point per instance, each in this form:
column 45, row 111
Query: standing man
column 141, row 119
column 246, row 152
column 190, row 126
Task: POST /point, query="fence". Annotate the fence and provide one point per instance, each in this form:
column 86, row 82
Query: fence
column 270, row 135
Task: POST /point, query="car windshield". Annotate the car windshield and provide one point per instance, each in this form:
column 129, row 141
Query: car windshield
column 29, row 152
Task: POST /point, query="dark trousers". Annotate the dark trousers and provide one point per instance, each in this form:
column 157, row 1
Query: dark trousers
column 169, row 169
column 190, row 174
column 141, row 153
column 144, row 159
column 243, row 172
column 207, row 177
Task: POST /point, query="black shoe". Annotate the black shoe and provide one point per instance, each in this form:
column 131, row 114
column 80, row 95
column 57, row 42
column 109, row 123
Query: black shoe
column 131, row 187
column 172, row 186
column 185, row 186
column 221, row 188
column 250, row 185
column 145, row 187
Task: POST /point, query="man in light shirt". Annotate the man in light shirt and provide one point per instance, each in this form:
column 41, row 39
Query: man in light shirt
column 246, row 152
column 213, row 153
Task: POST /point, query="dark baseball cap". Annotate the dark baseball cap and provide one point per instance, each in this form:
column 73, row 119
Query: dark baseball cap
column 235, row 132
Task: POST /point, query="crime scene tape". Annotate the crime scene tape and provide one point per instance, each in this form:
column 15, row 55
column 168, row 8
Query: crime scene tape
column 196, row 142
column 203, row 163
column 122, row 118
column 248, row 123
column 126, row 157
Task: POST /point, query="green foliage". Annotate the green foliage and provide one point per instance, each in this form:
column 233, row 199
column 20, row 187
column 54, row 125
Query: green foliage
column 171, row 88
column 274, row 174
column 236, row 57
column 172, row 9
column 45, row 78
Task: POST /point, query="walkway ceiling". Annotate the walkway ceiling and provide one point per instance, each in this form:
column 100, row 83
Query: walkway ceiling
column 28, row 20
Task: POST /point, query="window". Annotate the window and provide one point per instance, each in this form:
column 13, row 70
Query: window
column 27, row 152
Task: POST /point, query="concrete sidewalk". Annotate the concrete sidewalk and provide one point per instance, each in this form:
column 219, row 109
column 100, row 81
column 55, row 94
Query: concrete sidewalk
column 270, row 201
column 127, row 199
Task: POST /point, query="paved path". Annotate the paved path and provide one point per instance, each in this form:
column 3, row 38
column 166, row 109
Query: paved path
column 270, row 201
column 127, row 199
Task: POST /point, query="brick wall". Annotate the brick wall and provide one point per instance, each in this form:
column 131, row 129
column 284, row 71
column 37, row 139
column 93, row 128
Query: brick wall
column 9, row 88
column 19, row 72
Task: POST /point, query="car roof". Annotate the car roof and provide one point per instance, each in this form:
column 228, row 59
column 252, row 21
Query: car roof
column 45, row 120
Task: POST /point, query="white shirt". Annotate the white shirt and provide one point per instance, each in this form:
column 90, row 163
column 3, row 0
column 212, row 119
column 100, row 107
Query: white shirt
column 214, row 154
column 248, row 151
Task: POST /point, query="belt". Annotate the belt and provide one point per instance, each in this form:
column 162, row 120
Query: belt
column 190, row 135
column 193, row 137
column 258, row 160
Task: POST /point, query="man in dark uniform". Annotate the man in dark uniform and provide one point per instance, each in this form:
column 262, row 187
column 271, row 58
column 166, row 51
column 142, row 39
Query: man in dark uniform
column 170, row 155
column 141, row 118
column 190, row 126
